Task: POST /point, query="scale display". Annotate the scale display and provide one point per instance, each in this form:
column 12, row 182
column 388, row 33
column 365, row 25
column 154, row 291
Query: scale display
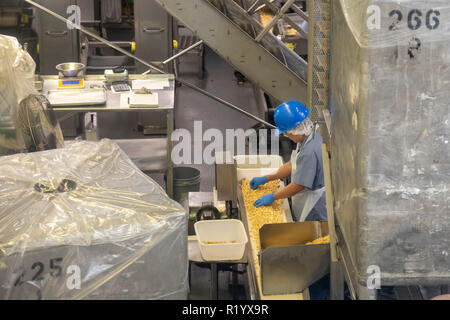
column 71, row 83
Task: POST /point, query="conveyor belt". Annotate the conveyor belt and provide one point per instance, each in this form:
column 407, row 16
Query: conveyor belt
column 254, row 280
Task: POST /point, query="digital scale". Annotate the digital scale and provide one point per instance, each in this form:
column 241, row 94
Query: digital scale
column 71, row 75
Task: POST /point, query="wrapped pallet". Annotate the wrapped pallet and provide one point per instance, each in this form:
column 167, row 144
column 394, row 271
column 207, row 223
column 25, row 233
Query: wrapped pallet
column 83, row 222
column 390, row 93
column 14, row 65
column 27, row 121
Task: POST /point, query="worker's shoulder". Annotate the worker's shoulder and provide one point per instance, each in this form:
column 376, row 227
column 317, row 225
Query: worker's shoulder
column 316, row 144
column 318, row 139
column 315, row 147
column 312, row 150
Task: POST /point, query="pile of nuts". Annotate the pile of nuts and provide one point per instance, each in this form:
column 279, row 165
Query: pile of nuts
column 257, row 217
column 323, row 240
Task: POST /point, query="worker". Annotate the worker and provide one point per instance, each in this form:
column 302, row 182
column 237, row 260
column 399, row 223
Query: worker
column 306, row 189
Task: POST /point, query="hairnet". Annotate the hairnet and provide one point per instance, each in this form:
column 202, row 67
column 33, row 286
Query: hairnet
column 303, row 128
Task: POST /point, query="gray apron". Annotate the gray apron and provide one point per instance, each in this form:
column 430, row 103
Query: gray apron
column 304, row 201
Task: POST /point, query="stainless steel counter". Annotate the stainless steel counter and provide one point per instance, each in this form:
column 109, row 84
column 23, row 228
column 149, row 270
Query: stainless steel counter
column 166, row 96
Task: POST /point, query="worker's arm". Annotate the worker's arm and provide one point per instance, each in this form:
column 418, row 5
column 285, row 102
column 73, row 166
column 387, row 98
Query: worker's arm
column 283, row 172
column 290, row 190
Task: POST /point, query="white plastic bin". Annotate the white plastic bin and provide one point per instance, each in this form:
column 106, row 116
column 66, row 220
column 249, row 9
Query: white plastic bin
column 229, row 232
column 250, row 166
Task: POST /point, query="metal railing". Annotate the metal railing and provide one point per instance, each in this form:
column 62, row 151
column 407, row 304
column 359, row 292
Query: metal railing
column 280, row 14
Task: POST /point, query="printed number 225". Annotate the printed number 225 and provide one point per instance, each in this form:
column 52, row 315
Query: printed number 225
column 39, row 267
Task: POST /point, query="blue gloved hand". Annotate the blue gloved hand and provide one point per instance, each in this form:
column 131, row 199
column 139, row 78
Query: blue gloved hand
column 265, row 200
column 256, row 182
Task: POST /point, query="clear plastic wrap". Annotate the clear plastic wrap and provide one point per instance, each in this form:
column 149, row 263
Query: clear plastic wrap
column 83, row 222
column 390, row 93
column 387, row 23
column 27, row 122
column 11, row 141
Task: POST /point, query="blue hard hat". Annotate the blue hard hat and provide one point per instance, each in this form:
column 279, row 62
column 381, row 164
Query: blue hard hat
column 288, row 115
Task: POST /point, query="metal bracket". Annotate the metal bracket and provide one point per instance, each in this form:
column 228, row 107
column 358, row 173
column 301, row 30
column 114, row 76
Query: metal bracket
column 56, row 34
column 152, row 30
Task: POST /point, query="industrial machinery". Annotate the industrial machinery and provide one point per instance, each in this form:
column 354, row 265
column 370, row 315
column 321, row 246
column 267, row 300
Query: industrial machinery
column 138, row 26
column 55, row 34
column 16, row 20
column 120, row 22
column 387, row 187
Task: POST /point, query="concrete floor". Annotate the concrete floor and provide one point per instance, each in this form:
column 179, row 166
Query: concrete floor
column 191, row 106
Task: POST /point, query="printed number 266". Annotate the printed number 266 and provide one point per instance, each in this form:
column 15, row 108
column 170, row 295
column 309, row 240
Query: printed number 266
column 415, row 19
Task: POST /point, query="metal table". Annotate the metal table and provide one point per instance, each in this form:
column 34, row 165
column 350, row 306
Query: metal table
column 166, row 102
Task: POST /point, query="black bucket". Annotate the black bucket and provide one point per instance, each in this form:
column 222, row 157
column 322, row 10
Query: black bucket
column 185, row 180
